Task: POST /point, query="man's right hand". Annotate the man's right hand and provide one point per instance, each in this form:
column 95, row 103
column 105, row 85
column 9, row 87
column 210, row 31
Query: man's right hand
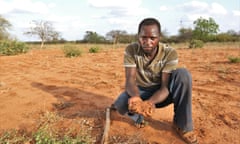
column 134, row 99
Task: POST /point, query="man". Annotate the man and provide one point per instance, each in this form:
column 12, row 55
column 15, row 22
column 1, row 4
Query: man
column 152, row 77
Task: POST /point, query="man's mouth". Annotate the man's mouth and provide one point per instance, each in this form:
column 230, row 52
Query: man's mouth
column 147, row 48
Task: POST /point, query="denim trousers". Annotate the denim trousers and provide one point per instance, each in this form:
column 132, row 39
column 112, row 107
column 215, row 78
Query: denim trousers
column 180, row 94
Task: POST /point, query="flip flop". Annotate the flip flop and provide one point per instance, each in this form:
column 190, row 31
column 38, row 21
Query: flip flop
column 113, row 108
column 189, row 137
column 140, row 122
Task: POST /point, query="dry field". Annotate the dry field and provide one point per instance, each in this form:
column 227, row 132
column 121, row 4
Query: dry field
column 77, row 89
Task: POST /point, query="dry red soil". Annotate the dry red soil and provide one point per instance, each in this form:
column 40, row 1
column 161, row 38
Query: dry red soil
column 82, row 87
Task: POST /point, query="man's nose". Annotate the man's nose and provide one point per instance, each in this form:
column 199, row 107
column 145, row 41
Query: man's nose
column 148, row 41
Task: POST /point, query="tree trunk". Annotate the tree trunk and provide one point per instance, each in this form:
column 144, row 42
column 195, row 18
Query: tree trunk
column 42, row 43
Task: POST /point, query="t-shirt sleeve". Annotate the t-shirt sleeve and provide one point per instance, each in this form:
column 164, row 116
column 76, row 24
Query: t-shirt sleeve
column 171, row 61
column 129, row 60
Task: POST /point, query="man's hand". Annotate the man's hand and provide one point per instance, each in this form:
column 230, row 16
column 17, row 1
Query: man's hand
column 144, row 108
column 134, row 99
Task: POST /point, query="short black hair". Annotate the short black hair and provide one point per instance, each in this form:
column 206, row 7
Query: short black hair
column 149, row 21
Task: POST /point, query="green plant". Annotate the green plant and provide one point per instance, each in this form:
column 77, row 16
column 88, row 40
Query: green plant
column 71, row 51
column 44, row 136
column 51, row 130
column 234, row 59
column 12, row 47
column 94, row 49
column 128, row 139
column 13, row 137
column 196, row 43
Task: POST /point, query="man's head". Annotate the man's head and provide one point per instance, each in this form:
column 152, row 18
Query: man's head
column 149, row 21
column 149, row 31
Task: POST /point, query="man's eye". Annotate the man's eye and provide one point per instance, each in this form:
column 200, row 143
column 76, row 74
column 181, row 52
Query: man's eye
column 152, row 38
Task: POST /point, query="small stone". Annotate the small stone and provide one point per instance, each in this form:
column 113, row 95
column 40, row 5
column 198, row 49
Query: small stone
column 2, row 84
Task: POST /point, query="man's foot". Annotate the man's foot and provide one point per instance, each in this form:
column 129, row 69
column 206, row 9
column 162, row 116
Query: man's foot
column 140, row 122
column 189, row 137
column 113, row 108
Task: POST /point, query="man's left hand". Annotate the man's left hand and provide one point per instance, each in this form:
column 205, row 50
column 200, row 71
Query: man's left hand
column 144, row 108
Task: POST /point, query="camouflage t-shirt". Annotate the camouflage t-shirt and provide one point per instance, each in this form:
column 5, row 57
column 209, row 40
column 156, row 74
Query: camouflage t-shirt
column 149, row 72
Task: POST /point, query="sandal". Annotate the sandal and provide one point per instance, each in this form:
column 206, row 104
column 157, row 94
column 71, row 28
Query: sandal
column 189, row 137
column 113, row 108
column 140, row 122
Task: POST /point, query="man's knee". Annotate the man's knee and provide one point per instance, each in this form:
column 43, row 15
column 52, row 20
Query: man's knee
column 183, row 75
column 121, row 104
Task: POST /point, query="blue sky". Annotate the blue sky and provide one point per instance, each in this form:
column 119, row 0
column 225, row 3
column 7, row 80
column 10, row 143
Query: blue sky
column 72, row 18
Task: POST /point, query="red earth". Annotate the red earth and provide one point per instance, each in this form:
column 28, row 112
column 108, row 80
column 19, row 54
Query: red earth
column 82, row 87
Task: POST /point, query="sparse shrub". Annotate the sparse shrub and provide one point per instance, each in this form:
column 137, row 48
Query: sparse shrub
column 234, row 59
column 71, row 51
column 44, row 136
column 13, row 137
column 94, row 49
column 196, row 44
column 12, row 48
column 127, row 139
column 51, row 130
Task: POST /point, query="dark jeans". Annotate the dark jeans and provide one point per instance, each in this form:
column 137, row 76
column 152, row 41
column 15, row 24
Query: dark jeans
column 180, row 94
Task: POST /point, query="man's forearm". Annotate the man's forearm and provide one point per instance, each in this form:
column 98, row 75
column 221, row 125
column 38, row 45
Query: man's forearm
column 132, row 90
column 159, row 96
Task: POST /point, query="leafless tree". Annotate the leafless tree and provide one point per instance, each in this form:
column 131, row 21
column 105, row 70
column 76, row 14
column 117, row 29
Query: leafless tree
column 44, row 30
column 5, row 25
column 114, row 35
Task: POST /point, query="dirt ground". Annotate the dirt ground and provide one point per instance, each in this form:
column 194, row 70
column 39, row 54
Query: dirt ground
column 45, row 80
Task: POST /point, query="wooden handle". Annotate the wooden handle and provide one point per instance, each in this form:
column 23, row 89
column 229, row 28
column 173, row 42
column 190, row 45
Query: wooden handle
column 107, row 127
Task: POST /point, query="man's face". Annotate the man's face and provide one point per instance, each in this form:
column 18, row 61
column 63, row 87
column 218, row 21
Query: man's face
column 149, row 38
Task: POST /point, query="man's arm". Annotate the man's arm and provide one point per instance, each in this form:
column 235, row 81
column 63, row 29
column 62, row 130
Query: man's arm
column 131, row 86
column 161, row 94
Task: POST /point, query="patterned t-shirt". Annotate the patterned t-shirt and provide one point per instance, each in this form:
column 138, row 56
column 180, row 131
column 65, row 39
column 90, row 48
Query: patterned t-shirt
column 149, row 72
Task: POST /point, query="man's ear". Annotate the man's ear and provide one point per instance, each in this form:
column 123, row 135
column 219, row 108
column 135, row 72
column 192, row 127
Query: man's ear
column 138, row 36
column 159, row 38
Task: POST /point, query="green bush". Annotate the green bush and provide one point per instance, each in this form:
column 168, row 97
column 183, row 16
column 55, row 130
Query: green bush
column 234, row 59
column 196, row 44
column 12, row 48
column 94, row 49
column 71, row 51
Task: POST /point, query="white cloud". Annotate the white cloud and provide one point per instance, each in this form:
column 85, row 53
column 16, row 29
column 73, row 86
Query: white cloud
column 194, row 6
column 193, row 17
column 24, row 6
column 51, row 5
column 4, row 7
column 236, row 12
column 121, row 8
column 217, row 9
column 118, row 21
column 198, row 7
column 163, row 8
column 128, row 12
column 114, row 3
column 124, row 24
